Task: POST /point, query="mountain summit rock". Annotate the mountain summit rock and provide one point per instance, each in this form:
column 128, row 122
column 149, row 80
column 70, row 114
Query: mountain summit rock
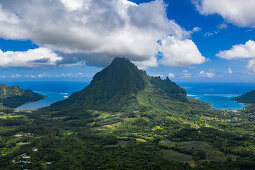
column 122, row 86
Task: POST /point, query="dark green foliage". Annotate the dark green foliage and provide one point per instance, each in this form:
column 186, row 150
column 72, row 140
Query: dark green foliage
column 247, row 98
column 118, row 87
column 126, row 119
column 169, row 89
column 13, row 96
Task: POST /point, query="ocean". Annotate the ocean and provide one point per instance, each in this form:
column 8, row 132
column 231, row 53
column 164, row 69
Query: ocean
column 54, row 90
column 217, row 94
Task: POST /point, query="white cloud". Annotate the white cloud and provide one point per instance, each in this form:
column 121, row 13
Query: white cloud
column 187, row 75
column 194, row 30
column 171, row 75
column 237, row 12
column 29, row 76
column 73, row 75
column 207, row 74
column 185, row 71
column 73, row 4
column 208, row 34
column 240, row 51
column 42, row 75
column 251, row 65
column 31, row 58
column 222, row 26
column 219, row 28
column 35, row 76
column 8, row 17
column 65, row 75
column 158, row 75
column 230, row 71
column 96, row 31
column 180, row 52
column 14, row 76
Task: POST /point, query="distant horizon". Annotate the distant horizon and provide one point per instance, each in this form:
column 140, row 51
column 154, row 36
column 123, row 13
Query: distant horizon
column 217, row 94
column 74, row 80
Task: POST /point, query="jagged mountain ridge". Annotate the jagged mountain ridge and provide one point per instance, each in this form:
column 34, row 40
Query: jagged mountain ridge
column 121, row 86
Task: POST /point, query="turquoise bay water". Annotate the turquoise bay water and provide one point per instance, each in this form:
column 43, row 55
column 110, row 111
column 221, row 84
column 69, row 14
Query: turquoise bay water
column 217, row 94
column 55, row 91
column 220, row 101
column 52, row 97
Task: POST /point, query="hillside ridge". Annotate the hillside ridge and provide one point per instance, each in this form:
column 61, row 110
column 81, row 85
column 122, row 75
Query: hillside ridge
column 121, row 86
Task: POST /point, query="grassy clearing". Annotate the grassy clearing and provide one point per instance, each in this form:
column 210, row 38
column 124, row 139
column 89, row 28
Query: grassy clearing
column 212, row 154
column 104, row 116
column 140, row 140
column 171, row 155
column 167, row 143
column 8, row 116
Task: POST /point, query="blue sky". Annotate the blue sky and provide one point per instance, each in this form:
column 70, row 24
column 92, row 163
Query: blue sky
column 187, row 40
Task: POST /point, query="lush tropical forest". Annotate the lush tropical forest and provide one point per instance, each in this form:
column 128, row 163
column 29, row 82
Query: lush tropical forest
column 126, row 119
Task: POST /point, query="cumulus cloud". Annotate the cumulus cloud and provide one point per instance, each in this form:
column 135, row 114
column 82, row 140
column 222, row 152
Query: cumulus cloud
column 222, row 26
column 31, row 58
column 207, row 74
column 239, row 51
column 14, row 76
column 96, row 31
column 230, row 71
column 187, row 75
column 171, row 75
column 73, row 75
column 251, row 65
column 42, row 75
column 219, row 28
column 237, row 12
column 180, row 52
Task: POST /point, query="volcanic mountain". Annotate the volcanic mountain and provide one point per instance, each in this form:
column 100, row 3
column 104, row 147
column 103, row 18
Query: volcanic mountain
column 121, row 87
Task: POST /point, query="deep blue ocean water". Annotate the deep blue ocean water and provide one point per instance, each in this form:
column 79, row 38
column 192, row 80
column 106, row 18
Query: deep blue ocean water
column 217, row 94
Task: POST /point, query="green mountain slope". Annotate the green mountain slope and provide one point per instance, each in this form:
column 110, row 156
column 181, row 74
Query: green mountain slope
column 122, row 87
column 13, row 96
column 126, row 119
column 248, row 98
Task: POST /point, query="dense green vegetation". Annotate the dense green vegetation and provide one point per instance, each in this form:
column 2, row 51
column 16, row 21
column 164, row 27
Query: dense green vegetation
column 146, row 123
column 13, row 96
column 248, row 98
column 121, row 87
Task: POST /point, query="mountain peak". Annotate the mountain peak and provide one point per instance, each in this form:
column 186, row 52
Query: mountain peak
column 120, row 60
column 122, row 86
column 122, row 75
